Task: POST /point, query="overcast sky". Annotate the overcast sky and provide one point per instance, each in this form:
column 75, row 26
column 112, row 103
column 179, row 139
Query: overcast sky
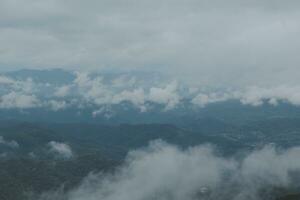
column 233, row 42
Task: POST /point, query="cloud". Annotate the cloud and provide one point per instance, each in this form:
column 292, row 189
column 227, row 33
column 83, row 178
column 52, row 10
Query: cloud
column 203, row 99
column 61, row 150
column 166, row 172
column 57, row 105
column 104, row 111
column 21, row 94
column 12, row 143
column 205, row 42
column 137, row 97
column 107, row 90
column 95, row 90
column 26, row 86
column 167, row 95
column 254, row 96
column 6, row 80
column 62, row 91
column 18, row 100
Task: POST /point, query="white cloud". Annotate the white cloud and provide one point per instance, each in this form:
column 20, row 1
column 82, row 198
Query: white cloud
column 93, row 89
column 203, row 99
column 25, row 86
column 165, row 172
column 18, row 100
column 167, row 95
column 62, row 91
column 6, row 80
column 254, row 96
column 137, row 97
column 57, row 105
column 97, row 90
column 12, row 143
column 61, row 150
column 28, row 86
column 104, row 111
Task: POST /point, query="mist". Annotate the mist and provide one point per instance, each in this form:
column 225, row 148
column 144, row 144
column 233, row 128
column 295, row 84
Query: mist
column 163, row 171
column 213, row 42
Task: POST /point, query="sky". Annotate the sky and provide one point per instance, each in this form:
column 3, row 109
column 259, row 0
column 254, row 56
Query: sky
column 209, row 42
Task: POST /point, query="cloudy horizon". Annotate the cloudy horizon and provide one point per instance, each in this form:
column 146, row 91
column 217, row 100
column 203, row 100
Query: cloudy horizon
column 207, row 42
column 61, row 90
column 149, row 99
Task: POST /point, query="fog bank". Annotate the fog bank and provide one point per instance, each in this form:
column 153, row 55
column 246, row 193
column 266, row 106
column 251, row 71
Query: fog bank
column 166, row 172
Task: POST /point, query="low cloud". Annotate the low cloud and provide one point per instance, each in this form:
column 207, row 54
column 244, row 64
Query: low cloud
column 98, row 91
column 18, row 100
column 166, row 172
column 6, row 80
column 94, row 90
column 203, row 99
column 62, row 91
column 167, row 95
column 104, row 111
column 57, row 105
column 61, row 150
column 20, row 94
column 11, row 144
column 254, row 96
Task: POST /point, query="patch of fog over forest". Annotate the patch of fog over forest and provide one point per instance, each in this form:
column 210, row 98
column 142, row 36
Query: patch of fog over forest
column 166, row 172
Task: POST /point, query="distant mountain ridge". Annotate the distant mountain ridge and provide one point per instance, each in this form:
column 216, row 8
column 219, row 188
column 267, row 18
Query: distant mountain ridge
column 53, row 76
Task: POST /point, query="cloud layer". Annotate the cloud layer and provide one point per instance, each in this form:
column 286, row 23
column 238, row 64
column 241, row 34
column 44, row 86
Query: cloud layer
column 102, row 91
column 207, row 42
column 165, row 172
